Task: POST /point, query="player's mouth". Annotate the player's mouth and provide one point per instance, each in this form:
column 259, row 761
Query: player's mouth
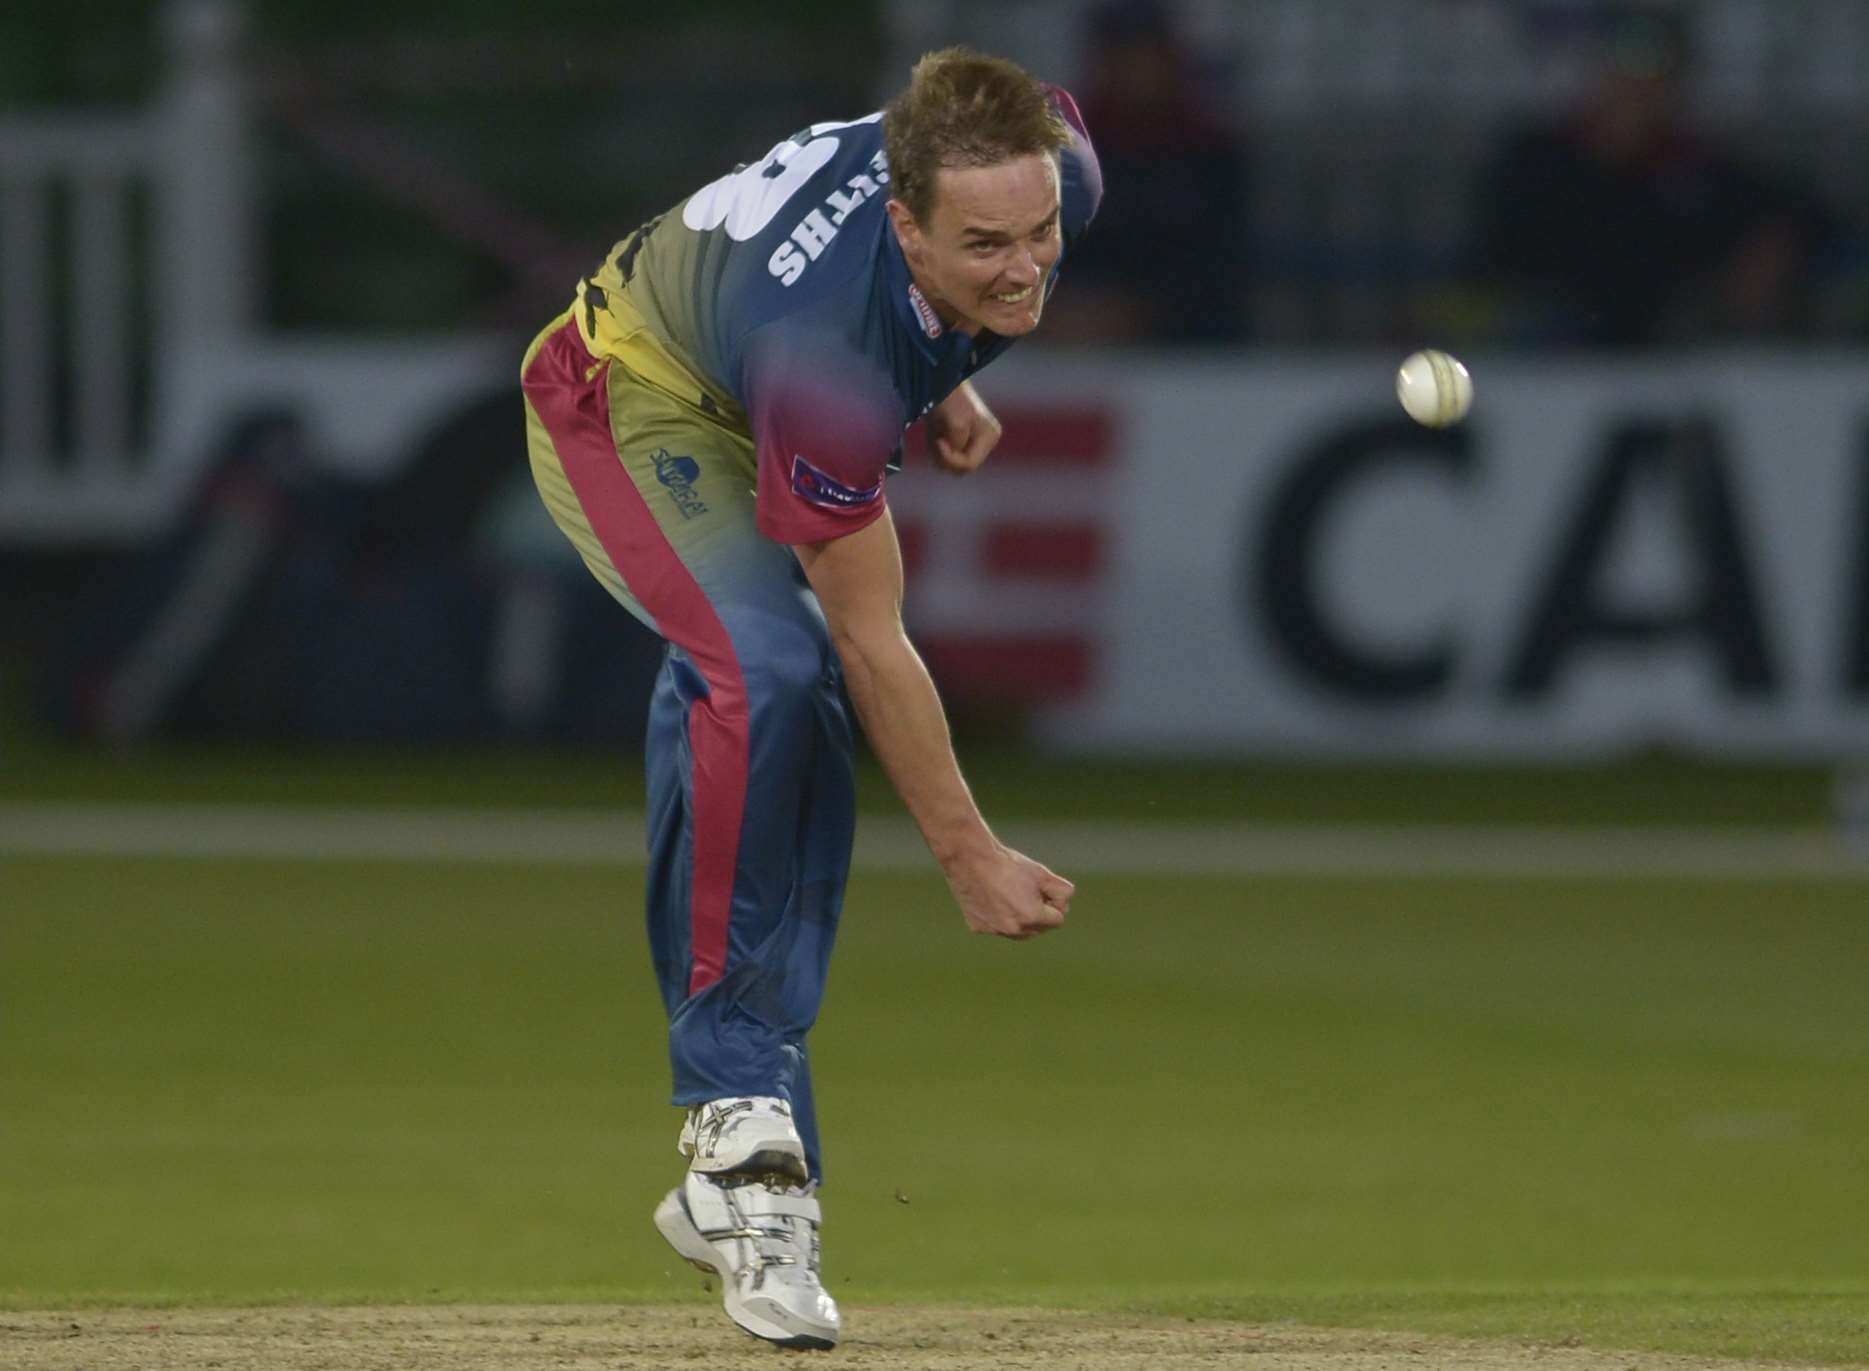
column 1011, row 297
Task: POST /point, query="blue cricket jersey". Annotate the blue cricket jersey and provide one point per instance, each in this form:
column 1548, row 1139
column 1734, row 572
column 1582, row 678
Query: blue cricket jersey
column 782, row 291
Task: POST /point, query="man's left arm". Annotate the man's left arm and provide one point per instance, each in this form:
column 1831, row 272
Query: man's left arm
column 962, row 431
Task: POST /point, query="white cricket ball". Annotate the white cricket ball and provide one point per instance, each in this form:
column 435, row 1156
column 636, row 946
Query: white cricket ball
column 1434, row 388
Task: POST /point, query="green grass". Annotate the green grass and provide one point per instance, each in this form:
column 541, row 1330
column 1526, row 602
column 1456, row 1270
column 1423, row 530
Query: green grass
column 1626, row 1112
column 1657, row 790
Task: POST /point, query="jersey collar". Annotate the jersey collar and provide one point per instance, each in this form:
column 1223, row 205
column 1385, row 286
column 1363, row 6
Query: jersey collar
column 913, row 312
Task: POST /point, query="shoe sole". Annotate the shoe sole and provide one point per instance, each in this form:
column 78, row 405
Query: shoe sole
column 801, row 1343
column 677, row 1227
column 767, row 1163
column 767, row 1331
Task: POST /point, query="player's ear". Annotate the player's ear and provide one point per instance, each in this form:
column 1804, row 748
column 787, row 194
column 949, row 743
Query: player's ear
column 908, row 232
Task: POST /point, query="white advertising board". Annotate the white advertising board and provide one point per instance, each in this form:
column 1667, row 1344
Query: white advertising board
column 1672, row 551
column 1247, row 555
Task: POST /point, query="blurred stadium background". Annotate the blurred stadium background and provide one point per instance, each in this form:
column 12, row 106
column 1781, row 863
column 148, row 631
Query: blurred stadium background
column 267, row 539
column 265, row 276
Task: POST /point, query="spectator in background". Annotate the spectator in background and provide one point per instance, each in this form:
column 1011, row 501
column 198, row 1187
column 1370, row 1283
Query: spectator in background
column 1622, row 225
column 289, row 600
column 1165, row 262
column 202, row 630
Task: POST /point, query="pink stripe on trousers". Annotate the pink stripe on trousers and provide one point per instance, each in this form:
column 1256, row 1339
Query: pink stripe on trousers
column 576, row 413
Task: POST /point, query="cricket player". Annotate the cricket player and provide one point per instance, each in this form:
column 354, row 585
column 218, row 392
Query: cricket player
column 711, row 424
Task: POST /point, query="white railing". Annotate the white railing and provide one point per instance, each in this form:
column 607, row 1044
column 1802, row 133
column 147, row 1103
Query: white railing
column 99, row 301
column 103, row 163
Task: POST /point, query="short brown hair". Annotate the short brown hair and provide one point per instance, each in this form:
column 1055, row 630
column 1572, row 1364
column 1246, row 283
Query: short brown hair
column 962, row 108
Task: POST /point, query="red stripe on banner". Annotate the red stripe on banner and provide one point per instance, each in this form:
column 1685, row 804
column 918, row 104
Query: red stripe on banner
column 1029, row 669
column 1075, row 437
column 1048, row 552
column 914, row 540
column 576, row 413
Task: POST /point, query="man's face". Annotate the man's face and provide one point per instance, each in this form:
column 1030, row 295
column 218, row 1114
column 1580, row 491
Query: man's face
column 990, row 241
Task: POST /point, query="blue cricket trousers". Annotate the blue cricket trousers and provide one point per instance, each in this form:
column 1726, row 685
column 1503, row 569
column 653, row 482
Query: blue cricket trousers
column 751, row 788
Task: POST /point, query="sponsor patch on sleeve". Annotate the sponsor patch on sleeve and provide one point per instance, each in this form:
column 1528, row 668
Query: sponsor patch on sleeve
column 826, row 491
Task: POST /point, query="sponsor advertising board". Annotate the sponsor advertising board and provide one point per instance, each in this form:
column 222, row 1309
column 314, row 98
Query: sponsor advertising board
column 1201, row 556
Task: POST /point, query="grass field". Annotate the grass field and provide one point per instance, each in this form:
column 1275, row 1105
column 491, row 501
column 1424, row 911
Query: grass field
column 1631, row 1112
column 1649, row 791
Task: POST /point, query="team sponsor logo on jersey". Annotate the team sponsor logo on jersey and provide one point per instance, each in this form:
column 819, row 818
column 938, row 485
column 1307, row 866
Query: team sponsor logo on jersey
column 821, row 488
column 931, row 323
column 679, row 475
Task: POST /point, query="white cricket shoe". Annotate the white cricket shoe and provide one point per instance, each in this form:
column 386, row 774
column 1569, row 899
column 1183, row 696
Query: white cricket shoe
column 762, row 1241
column 751, row 1135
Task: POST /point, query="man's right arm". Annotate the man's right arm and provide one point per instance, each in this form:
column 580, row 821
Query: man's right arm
column 858, row 580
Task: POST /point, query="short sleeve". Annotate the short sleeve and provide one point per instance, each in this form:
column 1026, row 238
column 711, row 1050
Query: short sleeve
column 825, row 424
